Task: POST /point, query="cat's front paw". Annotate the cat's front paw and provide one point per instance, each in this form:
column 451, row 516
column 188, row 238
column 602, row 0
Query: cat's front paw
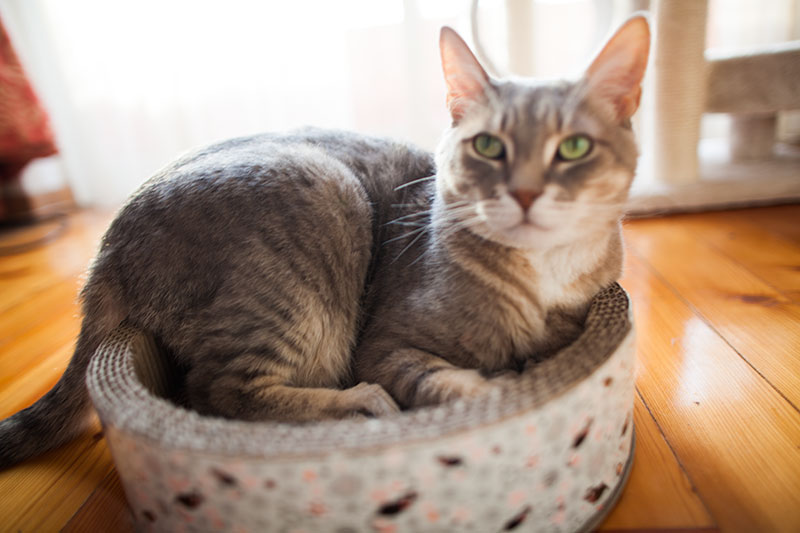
column 369, row 399
column 452, row 384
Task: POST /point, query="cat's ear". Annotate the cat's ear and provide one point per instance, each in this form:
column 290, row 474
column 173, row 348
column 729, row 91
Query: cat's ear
column 616, row 73
column 466, row 80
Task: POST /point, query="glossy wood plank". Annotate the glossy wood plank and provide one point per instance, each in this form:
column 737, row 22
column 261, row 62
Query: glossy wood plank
column 658, row 494
column 736, row 437
column 65, row 258
column 756, row 245
column 758, row 321
column 104, row 510
column 42, row 494
column 783, row 219
column 34, row 381
column 38, row 324
column 37, row 344
column 39, row 308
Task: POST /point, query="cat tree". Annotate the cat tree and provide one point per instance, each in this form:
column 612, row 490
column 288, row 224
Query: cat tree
column 751, row 86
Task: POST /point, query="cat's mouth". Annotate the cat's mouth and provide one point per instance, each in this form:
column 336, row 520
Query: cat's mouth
column 524, row 234
column 527, row 231
column 528, row 224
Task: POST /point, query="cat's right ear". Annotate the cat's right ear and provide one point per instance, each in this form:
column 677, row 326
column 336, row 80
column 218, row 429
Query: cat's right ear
column 466, row 80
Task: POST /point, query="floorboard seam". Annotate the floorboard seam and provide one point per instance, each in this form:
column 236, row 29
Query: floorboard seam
column 695, row 490
column 708, row 323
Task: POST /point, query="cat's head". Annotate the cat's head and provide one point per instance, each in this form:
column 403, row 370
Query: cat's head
column 539, row 164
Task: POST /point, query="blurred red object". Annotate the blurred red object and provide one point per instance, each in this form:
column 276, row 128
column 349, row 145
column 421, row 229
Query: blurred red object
column 25, row 132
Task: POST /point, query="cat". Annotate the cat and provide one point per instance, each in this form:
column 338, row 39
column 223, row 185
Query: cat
column 319, row 274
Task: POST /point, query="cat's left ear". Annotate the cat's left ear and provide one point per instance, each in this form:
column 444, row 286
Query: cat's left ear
column 466, row 80
column 616, row 73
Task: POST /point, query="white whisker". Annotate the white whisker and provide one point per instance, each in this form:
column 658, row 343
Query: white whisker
column 403, row 236
column 414, row 182
column 425, row 212
column 409, row 245
column 448, row 229
column 412, row 215
column 406, row 223
column 457, row 226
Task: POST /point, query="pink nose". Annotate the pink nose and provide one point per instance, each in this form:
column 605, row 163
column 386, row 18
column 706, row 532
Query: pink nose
column 525, row 197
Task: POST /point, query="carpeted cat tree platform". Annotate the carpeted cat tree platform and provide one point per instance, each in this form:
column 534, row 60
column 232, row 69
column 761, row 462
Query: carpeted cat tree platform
column 550, row 453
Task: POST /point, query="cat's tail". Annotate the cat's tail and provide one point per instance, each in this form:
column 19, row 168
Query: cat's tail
column 64, row 412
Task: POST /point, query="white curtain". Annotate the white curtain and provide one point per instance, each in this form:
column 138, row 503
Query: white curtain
column 131, row 85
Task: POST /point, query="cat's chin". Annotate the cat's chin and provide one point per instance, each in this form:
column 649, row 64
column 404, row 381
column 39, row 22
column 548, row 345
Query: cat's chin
column 525, row 235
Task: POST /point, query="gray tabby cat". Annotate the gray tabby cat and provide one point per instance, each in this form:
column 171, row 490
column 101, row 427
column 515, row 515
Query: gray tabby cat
column 324, row 274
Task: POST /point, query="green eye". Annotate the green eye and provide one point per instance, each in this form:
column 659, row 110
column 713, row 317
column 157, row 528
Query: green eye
column 574, row 147
column 489, row 146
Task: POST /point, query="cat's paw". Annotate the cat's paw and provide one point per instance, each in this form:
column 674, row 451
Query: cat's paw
column 369, row 399
column 457, row 383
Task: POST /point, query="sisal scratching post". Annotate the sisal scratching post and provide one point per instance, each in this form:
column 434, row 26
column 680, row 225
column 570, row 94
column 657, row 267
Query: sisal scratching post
column 679, row 86
column 752, row 136
column 521, row 57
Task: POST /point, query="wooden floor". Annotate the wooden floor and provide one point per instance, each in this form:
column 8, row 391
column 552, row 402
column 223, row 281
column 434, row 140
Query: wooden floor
column 717, row 310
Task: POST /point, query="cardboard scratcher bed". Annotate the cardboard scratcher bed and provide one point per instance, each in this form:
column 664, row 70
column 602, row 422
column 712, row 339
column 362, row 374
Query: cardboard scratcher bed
column 549, row 453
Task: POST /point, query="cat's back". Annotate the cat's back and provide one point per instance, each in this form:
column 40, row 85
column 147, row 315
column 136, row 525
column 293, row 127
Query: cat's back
column 201, row 221
column 248, row 169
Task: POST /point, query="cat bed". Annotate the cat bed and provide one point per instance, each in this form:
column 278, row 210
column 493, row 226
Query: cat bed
column 550, row 452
